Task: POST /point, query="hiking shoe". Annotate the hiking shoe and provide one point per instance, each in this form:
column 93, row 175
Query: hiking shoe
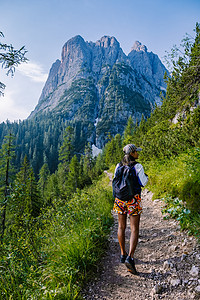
column 123, row 258
column 130, row 264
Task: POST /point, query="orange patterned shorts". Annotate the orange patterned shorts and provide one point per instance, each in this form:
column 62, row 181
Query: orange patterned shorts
column 132, row 207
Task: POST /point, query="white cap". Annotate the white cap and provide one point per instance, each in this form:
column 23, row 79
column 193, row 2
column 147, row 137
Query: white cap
column 131, row 148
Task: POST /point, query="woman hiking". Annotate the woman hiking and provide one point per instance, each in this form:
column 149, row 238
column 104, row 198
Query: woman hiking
column 131, row 207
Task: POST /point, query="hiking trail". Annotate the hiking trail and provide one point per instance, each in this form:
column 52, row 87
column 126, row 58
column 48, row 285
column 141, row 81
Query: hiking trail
column 168, row 261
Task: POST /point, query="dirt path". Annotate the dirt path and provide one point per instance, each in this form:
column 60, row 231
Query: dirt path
column 168, row 262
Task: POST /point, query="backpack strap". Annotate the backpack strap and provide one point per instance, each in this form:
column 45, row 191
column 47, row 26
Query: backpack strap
column 117, row 166
column 132, row 166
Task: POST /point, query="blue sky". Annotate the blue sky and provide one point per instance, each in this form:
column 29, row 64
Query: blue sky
column 43, row 26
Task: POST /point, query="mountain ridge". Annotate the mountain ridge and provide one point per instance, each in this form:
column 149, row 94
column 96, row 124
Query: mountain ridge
column 100, row 77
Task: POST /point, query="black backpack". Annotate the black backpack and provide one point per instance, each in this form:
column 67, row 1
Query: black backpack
column 124, row 182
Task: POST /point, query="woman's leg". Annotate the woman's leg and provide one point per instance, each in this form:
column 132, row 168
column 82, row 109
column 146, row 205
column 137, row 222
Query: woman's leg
column 121, row 232
column 134, row 223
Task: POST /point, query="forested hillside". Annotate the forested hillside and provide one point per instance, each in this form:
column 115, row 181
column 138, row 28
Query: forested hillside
column 171, row 137
column 54, row 227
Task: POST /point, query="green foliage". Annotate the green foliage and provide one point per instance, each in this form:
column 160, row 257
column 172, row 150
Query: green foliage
column 66, row 150
column 25, row 201
column 72, row 183
column 175, row 208
column 113, row 151
column 185, row 60
column 10, row 58
column 191, row 189
column 77, row 236
column 87, row 160
column 38, row 139
column 6, row 157
column 55, row 253
column 177, row 181
column 99, row 165
column 177, row 176
column 78, row 174
column 21, row 248
column 129, row 131
column 19, row 271
column 53, row 188
column 43, row 179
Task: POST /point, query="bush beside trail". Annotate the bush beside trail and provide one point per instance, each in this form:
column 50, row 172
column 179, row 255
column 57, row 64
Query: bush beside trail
column 70, row 246
column 177, row 182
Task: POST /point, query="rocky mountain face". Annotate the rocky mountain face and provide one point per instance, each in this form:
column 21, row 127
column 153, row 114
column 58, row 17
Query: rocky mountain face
column 97, row 85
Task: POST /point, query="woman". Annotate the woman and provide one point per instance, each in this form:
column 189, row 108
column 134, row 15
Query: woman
column 131, row 207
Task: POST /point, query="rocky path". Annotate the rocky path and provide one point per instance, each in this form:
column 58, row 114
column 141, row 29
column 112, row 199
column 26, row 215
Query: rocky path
column 168, row 262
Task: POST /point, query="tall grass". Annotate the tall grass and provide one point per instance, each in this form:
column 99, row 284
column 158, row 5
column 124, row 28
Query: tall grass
column 72, row 241
column 177, row 181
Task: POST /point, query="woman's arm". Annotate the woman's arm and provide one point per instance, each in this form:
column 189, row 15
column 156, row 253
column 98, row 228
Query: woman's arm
column 142, row 177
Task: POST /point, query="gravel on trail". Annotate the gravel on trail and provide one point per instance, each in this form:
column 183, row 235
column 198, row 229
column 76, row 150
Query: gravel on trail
column 167, row 259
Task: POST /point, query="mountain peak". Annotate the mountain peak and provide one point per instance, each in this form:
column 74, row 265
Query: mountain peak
column 72, row 45
column 139, row 47
column 75, row 39
column 107, row 41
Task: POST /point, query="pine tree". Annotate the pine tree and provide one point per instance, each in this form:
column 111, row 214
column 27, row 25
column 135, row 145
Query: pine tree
column 193, row 72
column 129, row 131
column 26, row 202
column 52, row 191
column 81, row 173
column 34, row 202
column 65, row 156
column 88, row 159
column 43, row 178
column 99, row 166
column 88, row 163
column 66, row 150
column 118, row 154
column 108, row 151
column 73, row 176
column 6, row 156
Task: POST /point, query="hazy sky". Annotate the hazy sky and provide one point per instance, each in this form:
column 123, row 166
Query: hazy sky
column 44, row 26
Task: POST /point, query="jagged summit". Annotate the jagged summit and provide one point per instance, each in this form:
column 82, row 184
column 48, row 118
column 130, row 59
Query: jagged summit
column 71, row 45
column 137, row 46
column 74, row 40
column 107, row 41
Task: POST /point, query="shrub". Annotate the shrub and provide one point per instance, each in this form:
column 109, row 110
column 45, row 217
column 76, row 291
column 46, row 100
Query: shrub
column 177, row 180
column 69, row 239
column 175, row 208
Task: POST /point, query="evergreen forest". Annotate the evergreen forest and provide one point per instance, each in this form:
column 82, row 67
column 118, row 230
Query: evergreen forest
column 56, row 201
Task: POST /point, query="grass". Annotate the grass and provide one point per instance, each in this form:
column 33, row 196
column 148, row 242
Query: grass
column 72, row 241
column 177, row 182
